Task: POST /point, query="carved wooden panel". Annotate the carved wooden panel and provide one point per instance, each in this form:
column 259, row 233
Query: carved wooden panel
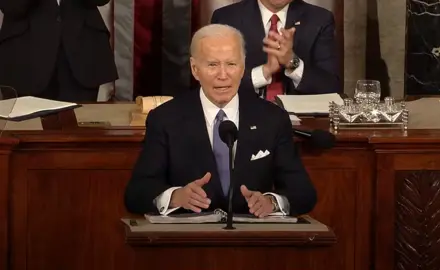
column 417, row 220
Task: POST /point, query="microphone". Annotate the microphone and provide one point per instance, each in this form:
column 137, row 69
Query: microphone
column 228, row 134
column 320, row 138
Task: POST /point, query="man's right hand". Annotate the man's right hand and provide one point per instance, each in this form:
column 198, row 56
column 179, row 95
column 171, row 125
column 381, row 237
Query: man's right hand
column 192, row 196
column 271, row 67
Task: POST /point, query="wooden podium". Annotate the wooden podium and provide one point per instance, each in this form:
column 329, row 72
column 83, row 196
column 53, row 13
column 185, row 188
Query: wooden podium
column 250, row 246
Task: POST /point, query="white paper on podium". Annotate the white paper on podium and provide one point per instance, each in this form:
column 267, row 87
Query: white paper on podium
column 31, row 107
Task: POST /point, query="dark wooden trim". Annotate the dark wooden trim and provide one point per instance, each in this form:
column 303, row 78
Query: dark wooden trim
column 51, row 122
column 68, row 120
column 226, row 238
column 6, row 146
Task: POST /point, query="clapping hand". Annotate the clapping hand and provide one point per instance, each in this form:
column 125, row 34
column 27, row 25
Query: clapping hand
column 280, row 45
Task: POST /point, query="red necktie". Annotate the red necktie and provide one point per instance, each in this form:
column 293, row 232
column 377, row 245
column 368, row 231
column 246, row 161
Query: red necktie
column 276, row 86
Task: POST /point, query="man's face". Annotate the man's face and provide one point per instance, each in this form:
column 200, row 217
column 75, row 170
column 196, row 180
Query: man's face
column 275, row 5
column 219, row 67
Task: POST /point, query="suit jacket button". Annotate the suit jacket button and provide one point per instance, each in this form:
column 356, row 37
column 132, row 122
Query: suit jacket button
column 58, row 18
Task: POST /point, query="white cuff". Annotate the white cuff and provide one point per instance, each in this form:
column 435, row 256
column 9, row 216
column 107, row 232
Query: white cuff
column 297, row 74
column 258, row 79
column 283, row 204
column 162, row 201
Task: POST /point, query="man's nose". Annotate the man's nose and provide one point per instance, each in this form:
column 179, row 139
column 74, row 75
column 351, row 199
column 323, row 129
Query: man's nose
column 222, row 74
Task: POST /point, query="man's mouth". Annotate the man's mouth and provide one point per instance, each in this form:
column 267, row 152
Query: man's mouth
column 222, row 88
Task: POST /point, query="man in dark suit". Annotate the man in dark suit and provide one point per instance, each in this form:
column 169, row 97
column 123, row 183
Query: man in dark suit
column 184, row 164
column 56, row 49
column 299, row 55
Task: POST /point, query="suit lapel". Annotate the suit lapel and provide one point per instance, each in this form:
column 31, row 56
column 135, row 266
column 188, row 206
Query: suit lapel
column 246, row 121
column 294, row 14
column 253, row 30
column 198, row 140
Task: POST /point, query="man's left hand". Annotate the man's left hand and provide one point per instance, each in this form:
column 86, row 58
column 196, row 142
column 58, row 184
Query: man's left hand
column 259, row 204
column 280, row 45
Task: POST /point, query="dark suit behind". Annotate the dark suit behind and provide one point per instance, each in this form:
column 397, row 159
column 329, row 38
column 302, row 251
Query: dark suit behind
column 177, row 151
column 314, row 43
column 36, row 32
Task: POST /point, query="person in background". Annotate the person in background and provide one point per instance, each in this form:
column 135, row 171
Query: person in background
column 183, row 165
column 291, row 47
column 55, row 49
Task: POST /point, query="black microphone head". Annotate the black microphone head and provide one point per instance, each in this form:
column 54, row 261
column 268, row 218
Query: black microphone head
column 323, row 139
column 228, row 132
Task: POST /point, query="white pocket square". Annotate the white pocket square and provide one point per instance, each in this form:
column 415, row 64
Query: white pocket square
column 260, row 154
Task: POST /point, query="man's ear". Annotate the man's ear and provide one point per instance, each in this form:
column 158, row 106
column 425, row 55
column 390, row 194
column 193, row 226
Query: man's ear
column 194, row 69
column 244, row 68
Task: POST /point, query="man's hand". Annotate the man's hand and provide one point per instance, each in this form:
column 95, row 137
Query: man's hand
column 192, row 196
column 259, row 205
column 271, row 67
column 280, row 46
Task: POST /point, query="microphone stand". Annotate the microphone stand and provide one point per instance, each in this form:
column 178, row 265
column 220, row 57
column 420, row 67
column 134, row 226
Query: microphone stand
column 231, row 189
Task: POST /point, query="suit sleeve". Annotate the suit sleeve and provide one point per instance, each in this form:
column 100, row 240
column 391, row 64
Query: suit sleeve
column 291, row 178
column 148, row 179
column 95, row 3
column 321, row 74
column 246, row 81
column 16, row 8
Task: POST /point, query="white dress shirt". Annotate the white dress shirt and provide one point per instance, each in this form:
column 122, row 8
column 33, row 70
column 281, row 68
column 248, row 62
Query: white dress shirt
column 258, row 79
column 231, row 110
column 58, row 1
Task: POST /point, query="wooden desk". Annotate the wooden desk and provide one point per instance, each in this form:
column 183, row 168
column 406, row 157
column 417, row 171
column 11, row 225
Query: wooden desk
column 377, row 191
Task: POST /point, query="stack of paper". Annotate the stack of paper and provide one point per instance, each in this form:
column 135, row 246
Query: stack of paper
column 217, row 216
column 308, row 104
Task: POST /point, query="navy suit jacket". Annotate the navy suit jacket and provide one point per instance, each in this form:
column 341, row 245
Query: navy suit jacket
column 177, row 151
column 314, row 43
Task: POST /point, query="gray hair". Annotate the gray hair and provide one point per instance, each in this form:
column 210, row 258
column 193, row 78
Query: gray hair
column 216, row 30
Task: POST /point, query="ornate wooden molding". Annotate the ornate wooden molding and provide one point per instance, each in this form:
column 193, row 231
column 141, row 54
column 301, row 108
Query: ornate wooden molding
column 417, row 220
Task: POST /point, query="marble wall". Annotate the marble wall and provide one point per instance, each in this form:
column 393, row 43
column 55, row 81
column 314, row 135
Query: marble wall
column 423, row 47
column 374, row 45
column 392, row 31
column 355, row 29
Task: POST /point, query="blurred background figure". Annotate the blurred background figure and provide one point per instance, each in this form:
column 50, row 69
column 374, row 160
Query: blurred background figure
column 296, row 58
column 55, row 49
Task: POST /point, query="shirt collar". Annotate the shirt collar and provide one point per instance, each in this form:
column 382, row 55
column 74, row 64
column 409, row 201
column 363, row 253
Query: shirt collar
column 210, row 109
column 267, row 14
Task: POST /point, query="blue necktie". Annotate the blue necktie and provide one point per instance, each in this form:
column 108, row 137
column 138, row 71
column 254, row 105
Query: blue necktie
column 221, row 153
